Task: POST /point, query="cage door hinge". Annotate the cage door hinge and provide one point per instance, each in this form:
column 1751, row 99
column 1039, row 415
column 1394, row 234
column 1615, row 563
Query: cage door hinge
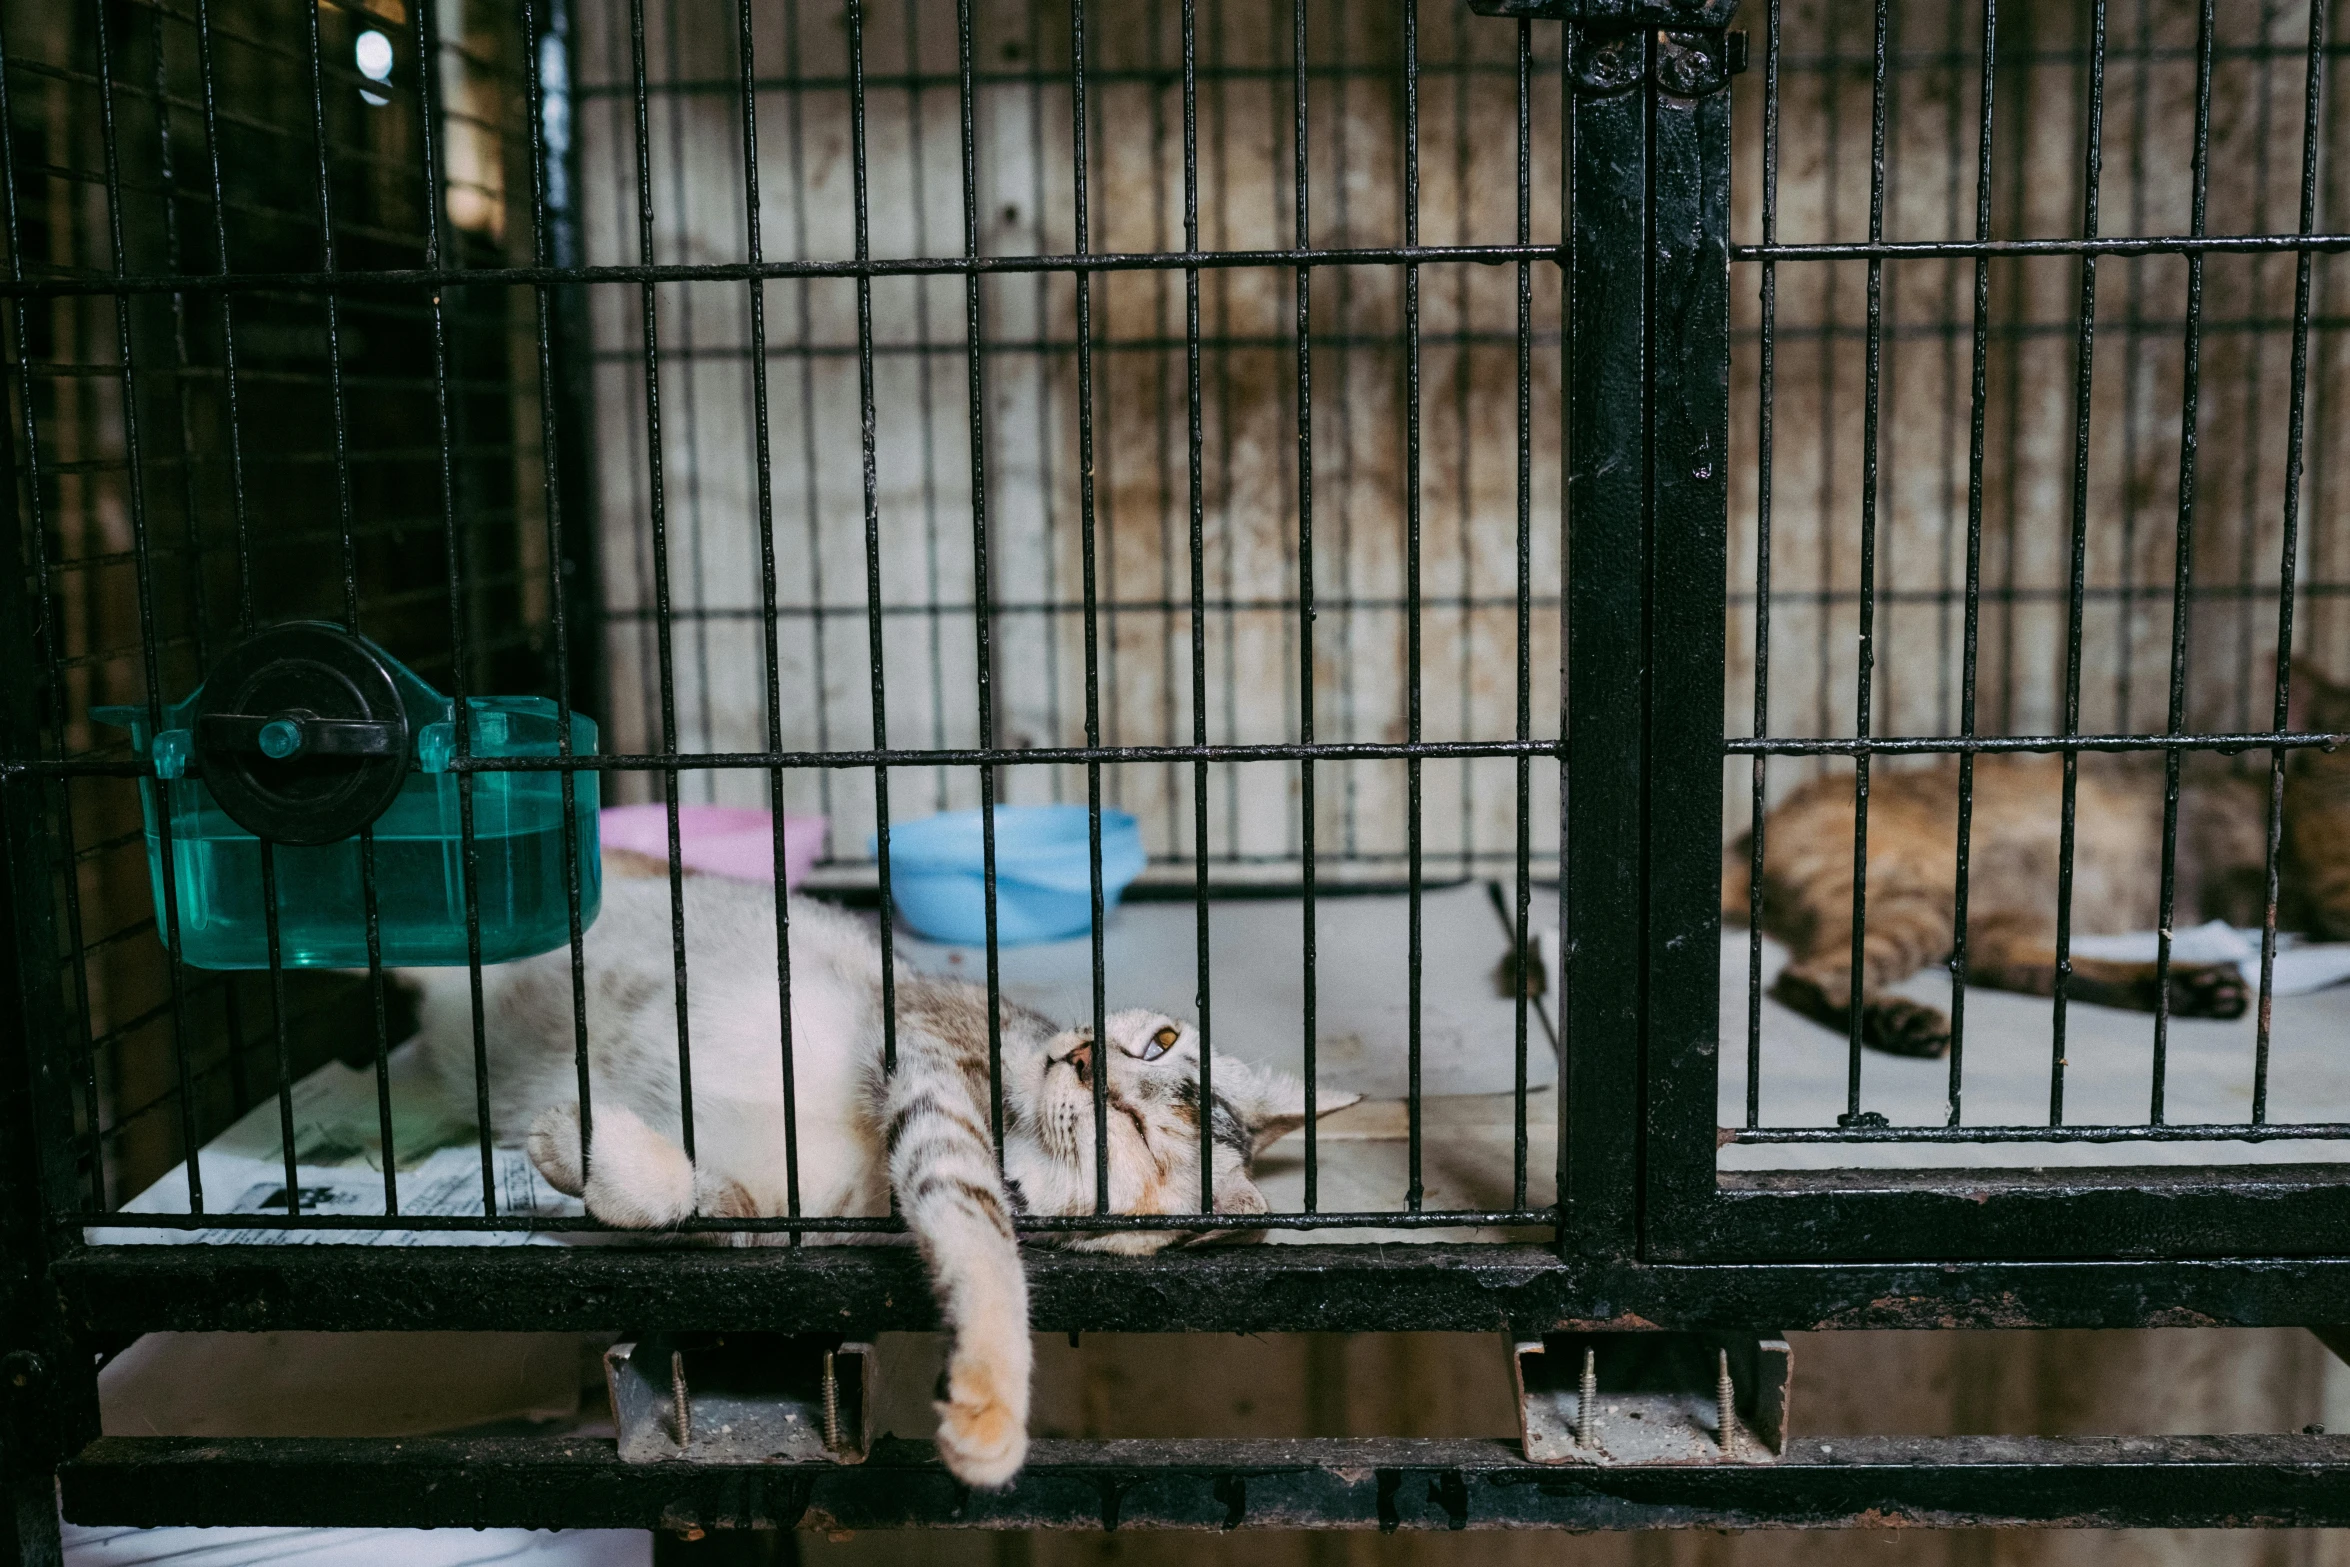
column 1624, row 1399
column 741, row 1398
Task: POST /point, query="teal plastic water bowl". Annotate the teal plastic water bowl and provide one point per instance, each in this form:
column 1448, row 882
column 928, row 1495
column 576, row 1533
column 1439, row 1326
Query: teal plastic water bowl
column 300, row 742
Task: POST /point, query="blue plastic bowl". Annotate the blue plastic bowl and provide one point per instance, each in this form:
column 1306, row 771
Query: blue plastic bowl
column 1043, row 872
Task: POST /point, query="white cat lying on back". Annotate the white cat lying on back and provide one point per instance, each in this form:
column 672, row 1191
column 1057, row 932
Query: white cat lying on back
column 922, row 1132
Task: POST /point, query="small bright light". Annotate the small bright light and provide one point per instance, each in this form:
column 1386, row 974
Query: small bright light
column 375, row 56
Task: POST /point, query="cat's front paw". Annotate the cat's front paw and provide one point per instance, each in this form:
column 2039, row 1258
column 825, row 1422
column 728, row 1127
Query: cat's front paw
column 636, row 1178
column 982, row 1424
column 553, row 1146
column 1901, row 1027
column 2214, row 990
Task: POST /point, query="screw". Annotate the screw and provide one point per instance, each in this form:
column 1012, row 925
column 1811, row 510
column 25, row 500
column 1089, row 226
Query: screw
column 1726, row 1406
column 280, row 738
column 1585, row 1410
column 1686, row 66
column 677, row 1396
column 831, row 1404
column 1609, row 62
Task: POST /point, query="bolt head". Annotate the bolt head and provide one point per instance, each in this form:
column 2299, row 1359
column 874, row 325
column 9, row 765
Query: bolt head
column 280, row 738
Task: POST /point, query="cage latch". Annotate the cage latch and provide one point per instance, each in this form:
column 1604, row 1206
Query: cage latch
column 301, row 733
column 1618, row 1399
column 741, row 1398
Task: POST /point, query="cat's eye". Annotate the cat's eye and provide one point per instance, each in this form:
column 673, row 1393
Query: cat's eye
column 1161, row 1042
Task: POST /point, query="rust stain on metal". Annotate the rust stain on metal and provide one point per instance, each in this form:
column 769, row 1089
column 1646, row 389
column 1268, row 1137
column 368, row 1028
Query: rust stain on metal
column 1622, row 1322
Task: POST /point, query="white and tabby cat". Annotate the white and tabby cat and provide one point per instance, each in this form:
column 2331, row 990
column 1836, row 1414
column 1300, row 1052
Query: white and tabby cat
column 922, row 1131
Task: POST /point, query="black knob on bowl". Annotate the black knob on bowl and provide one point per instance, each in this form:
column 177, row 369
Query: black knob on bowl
column 301, row 734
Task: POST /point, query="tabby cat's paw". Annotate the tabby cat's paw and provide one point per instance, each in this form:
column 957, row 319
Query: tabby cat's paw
column 1902, row 1027
column 2215, row 990
column 982, row 1425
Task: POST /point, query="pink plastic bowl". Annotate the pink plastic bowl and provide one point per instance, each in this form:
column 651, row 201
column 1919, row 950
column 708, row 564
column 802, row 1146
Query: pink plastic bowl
column 719, row 840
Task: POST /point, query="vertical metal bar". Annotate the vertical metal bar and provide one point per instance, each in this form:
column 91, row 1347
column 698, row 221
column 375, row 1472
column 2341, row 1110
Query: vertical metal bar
column 277, row 1009
column 658, row 515
column 2255, row 376
column 1971, row 647
column 2133, row 368
column 811, row 502
column 236, row 467
column 2085, row 360
column 1567, row 1113
column 1464, row 446
column 1047, row 478
column 1161, row 426
column 754, row 249
column 1765, row 458
column 1688, row 492
column 647, row 633
column 1525, row 728
column 1411, row 565
column 1865, row 643
column 191, row 500
column 872, row 483
column 1886, row 173
column 427, row 20
column 1199, row 611
column 675, row 92
column 45, row 646
column 2183, row 554
column 144, row 573
column 548, row 55
column 55, row 1408
column 1307, row 857
column 228, row 338
column 1607, row 315
column 1220, row 117
column 1946, row 593
column 1082, row 239
column 2011, row 432
column 1349, row 709
column 370, row 904
column 982, row 590
column 934, row 612
column 1831, row 182
column 2296, row 429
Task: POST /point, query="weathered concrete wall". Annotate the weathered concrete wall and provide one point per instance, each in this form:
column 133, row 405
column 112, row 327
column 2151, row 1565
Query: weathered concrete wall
column 1141, row 489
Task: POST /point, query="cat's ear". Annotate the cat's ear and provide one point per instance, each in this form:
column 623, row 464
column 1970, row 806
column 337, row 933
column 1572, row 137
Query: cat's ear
column 2318, row 706
column 1271, row 1104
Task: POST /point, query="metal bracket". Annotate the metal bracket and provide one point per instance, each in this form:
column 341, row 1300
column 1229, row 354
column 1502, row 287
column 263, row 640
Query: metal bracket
column 741, row 1398
column 1651, row 13
column 1620, row 1399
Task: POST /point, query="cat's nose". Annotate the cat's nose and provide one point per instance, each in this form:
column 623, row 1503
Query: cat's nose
column 1080, row 1057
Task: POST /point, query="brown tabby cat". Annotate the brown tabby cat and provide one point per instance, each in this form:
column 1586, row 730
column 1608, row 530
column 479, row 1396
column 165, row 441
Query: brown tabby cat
column 2012, row 881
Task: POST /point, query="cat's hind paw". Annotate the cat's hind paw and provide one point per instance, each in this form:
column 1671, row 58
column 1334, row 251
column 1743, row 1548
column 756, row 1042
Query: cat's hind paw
column 637, row 1179
column 982, row 1429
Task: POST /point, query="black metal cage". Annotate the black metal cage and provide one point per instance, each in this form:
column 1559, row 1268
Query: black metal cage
column 1408, row 456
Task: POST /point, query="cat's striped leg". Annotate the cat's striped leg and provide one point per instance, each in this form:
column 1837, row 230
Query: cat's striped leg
column 2013, row 955
column 1905, row 931
column 942, row 1166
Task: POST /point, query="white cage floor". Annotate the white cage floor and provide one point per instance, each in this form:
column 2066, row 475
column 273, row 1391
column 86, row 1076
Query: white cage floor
column 1468, row 1144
